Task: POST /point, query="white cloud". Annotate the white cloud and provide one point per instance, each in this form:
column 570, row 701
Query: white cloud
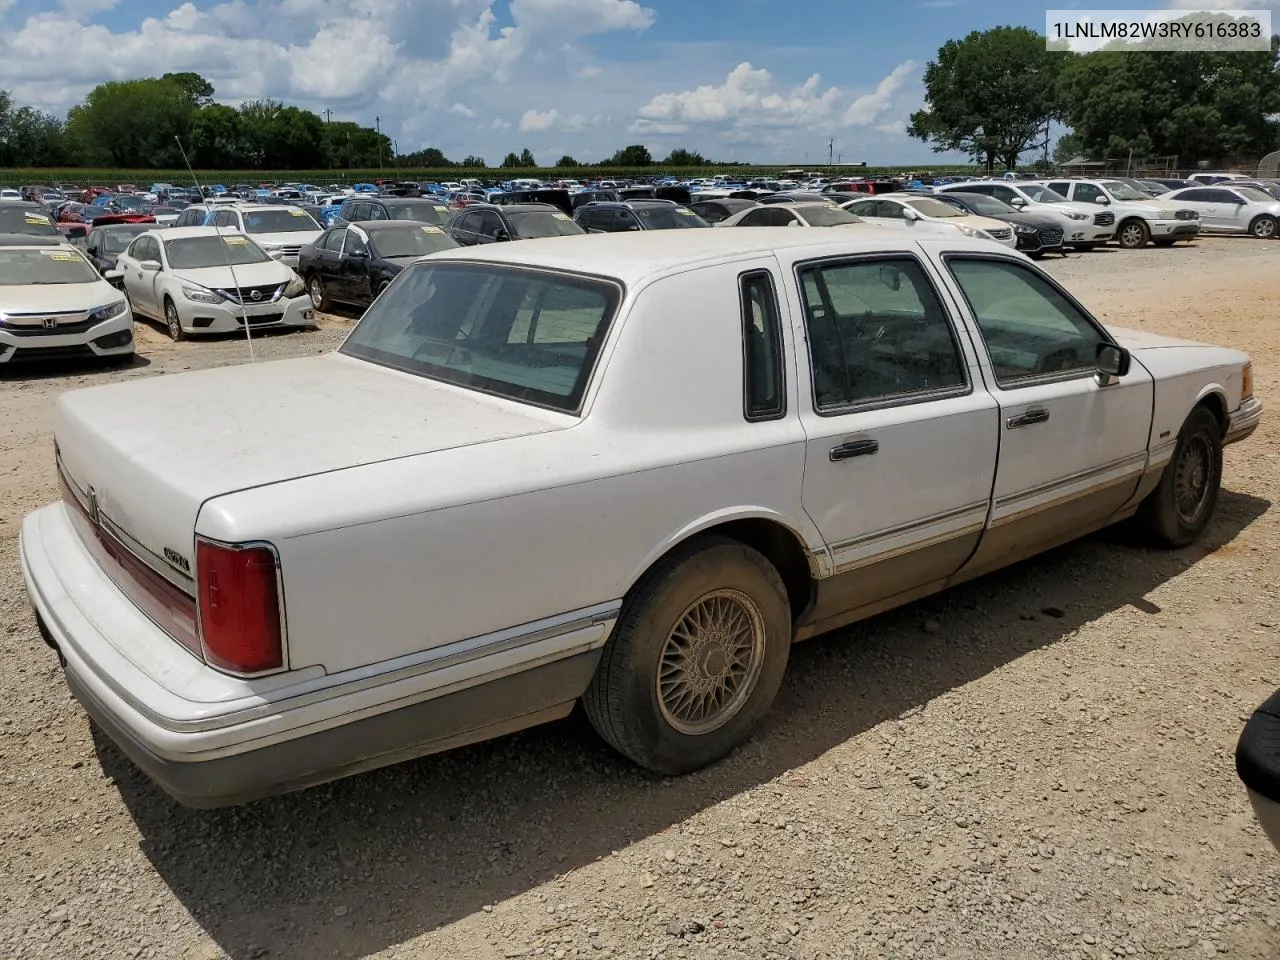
column 462, row 110
column 81, row 9
column 871, row 107
column 748, row 97
column 533, row 120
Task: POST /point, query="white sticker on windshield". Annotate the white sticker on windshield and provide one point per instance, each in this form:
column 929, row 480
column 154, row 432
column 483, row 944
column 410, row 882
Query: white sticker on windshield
column 432, row 230
column 685, row 213
column 561, row 216
column 440, row 209
column 63, row 257
column 236, row 241
column 298, row 213
column 35, row 218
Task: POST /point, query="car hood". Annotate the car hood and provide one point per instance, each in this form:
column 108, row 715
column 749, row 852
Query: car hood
column 1068, row 206
column 155, row 450
column 57, row 297
column 242, row 275
column 1037, row 220
column 1146, row 340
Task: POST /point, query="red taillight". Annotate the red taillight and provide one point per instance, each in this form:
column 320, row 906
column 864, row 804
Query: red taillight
column 239, row 607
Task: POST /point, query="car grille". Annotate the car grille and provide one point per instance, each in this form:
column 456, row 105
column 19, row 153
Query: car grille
column 261, row 318
column 1002, row 234
column 1187, row 215
column 246, row 295
column 76, row 352
column 62, row 328
column 1051, row 237
column 33, row 324
column 1105, row 219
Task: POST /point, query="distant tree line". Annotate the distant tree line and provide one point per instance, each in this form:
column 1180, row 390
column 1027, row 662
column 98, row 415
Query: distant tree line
column 635, row 155
column 993, row 94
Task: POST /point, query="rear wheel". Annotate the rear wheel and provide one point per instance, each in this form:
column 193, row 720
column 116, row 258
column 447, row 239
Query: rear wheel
column 1177, row 511
column 1263, row 227
column 319, row 295
column 695, row 659
column 1133, row 234
column 173, row 321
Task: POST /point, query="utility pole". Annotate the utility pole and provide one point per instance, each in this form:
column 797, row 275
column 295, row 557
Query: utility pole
column 328, row 115
column 831, row 145
column 377, row 122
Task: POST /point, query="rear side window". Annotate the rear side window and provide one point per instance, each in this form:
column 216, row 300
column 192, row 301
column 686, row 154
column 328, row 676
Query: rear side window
column 761, row 349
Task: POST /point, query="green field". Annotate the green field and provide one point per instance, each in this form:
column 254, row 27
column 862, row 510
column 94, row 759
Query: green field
column 84, row 176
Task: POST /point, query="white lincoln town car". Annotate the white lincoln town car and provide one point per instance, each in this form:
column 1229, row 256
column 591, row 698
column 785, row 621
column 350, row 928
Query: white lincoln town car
column 627, row 470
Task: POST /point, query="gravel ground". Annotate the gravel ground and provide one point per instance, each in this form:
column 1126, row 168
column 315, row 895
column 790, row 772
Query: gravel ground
column 1034, row 765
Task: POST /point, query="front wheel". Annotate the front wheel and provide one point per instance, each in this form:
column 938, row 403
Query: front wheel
column 695, row 659
column 1133, row 234
column 1177, row 511
column 1263, row 227
column 319, row 295
column 172, row 321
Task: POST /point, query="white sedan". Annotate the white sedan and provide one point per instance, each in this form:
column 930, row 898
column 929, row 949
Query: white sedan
column 628, row 470
column 905, row 212
column 1224, row 208
column 55, row 305
column 207, row 280
column 816, row 213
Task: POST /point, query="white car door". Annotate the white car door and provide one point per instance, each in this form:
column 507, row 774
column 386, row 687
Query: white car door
column 1073, row 443
column 139, row 284
column 1217, row 208
column 901, row 435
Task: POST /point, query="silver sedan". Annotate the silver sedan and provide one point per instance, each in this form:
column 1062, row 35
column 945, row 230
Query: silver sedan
column 1225, row 208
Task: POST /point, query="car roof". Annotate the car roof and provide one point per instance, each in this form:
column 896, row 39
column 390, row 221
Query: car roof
column 635, row 256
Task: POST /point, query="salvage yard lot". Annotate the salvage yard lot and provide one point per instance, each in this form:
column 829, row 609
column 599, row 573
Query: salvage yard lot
column 1036, row 764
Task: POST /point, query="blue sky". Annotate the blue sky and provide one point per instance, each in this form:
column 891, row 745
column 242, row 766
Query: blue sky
column 755, row 80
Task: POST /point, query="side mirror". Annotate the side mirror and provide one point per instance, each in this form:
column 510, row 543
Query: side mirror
column 150, row 266
column 359, row 254
column 1018, row 202
column 1103, row 200
column 891, row 277
column 910, row 215
column 1112, row 360
column 113, row 275
column 501, row 235
column 793, row 223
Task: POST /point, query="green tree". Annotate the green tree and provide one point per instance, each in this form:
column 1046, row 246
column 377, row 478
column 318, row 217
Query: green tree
column 1196, row 105
column 510, row 161
column 567, row 163
column 680, row 157
column 473, row 161
column 133, row 122
column 197, row 89
column 1069, row 146
column 349, row 145
column 636, row 155
column 430, row 157
column 35, row 139
column 526, row 158
column 989, row 95
column 218, row 140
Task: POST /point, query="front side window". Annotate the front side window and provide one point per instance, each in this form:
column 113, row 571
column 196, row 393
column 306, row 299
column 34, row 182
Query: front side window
column 521, row 334
column 1088, row 193
column 1030, row 329
column 761, row 348
column 877, row 332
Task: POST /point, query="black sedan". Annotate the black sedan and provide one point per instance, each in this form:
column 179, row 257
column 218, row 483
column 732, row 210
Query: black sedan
column 105, row 244
column 713, row 211
column 354, row 262
column 1036, row 234
column 492, row 223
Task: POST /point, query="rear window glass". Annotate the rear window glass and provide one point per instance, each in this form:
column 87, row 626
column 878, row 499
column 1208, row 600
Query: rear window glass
column 521, row 334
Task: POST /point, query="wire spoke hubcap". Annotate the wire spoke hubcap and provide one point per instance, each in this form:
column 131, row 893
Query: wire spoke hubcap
column 711, row 661
column 1191, row 481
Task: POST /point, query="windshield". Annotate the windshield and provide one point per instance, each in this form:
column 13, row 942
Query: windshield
column 115, row 241
column 936, row 208
column 279, row 221
column 191, row 253
column 21, row 267
column 1122, row 191
column 1039, row 194
column 668, row 217
column 987, row 206
column 521, row 334
column 543, row 223
column 410, row 241
column 826, row 215
column 424, row 212
column 1254, row 195
column 24, row 220
column 127, row 201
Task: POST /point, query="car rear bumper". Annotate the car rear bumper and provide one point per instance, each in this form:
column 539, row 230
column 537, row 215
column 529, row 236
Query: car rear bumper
column 1243, row 421
column 1258, row 765
column 110, row 338
column 213, row 740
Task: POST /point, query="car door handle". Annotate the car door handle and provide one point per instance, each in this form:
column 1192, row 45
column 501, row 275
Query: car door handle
column 1036, row 415
column 855, row 448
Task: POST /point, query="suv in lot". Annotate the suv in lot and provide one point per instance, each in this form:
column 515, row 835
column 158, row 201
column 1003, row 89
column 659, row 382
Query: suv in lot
column 491, row 223
column 636, row 215
column 1083, row 226
column 1139, row 218
column 279, row 230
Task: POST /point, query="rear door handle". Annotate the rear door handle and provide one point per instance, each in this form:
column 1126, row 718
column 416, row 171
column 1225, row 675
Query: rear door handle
column 1035, row 415
column 855, row 448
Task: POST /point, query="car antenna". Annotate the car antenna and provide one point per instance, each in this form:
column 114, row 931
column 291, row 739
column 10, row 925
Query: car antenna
column 244, row 314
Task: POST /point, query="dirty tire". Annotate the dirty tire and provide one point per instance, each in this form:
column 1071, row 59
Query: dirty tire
column 1177, row 511
column 624, row 702
column 172, row 322
column 319, row 295
column 1133, row 235
column 1263, row 227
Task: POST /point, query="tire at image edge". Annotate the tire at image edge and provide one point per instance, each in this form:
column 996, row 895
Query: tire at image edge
column 621, row 701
